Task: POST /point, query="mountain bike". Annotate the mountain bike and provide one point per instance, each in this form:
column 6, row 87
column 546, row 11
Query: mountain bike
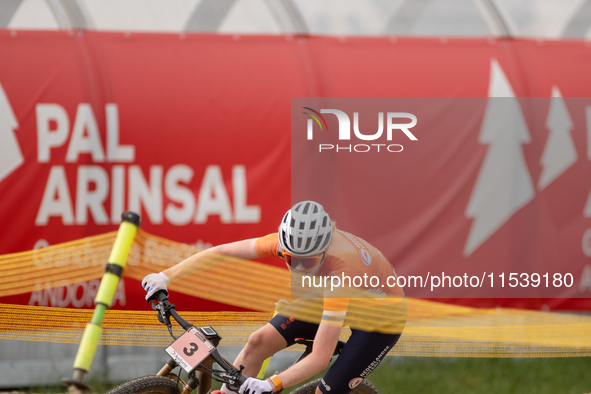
column 195, row 351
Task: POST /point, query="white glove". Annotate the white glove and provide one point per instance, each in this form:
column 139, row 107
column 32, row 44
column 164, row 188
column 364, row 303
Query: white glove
column 226, row 390
column 255, row 386
column 154, row 282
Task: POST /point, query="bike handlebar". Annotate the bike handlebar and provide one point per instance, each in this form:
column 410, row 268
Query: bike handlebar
column 167, row 309
column 161, row 295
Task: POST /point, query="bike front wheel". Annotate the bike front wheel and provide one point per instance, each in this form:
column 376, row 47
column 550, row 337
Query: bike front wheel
column 147, row 384
column 365, row 387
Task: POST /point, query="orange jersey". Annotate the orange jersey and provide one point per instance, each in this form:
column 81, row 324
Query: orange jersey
column 368, row 284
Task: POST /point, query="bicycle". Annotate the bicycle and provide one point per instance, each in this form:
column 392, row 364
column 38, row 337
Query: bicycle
column 199, row 346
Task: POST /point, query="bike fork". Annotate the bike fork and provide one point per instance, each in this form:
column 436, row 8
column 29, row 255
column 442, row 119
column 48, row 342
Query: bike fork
column 193, row 382
column 169, row 366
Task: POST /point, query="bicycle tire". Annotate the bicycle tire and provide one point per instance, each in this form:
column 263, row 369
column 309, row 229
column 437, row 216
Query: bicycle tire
column 147, row 384
column 365, row 387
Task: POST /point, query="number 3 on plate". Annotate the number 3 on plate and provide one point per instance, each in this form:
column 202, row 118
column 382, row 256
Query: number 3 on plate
column 190, row 352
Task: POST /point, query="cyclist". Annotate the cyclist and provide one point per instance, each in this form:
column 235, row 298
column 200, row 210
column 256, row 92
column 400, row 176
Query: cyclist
column 311, row 245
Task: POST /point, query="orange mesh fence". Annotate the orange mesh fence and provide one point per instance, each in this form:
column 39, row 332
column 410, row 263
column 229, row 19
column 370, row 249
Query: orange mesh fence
column 432, row 329
column 83, row 260
column 463, row 332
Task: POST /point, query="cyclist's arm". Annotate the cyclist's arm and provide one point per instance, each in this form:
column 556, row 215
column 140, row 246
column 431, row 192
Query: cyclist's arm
column 325, row 342
column 244, row 250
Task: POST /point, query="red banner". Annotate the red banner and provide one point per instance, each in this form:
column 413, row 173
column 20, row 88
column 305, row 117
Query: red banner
column 193, row 132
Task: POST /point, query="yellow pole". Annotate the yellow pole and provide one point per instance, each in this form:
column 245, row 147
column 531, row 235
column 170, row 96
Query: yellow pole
column 106, row 291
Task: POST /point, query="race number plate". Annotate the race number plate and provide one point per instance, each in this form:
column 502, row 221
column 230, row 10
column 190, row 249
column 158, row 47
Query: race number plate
column 190, row 349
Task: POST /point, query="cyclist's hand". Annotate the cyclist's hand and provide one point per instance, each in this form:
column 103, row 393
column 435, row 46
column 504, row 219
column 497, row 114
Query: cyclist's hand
column 255, row 386
column 154, row 282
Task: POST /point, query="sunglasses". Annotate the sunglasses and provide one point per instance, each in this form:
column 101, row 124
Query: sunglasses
column 307, row 262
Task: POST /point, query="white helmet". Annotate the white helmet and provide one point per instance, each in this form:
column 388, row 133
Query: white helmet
column 305, row 229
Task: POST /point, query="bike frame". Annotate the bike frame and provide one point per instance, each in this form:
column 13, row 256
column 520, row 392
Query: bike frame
column 203, row 380
column 232, row 377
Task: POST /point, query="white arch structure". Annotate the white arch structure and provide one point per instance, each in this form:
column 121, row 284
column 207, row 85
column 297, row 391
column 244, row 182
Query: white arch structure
column 208, row 16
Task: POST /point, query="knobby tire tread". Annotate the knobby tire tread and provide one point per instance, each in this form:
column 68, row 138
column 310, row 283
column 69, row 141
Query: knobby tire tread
column 365, row 387
column 147, row 384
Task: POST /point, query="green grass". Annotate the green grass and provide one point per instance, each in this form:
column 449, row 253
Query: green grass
column 462, row 375
column 96, row 385
column 406, row 375
column 411, row 375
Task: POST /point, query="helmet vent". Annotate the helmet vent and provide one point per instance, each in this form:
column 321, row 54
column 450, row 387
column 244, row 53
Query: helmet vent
column 306, row 229
column 318, row 241
column 326, row 241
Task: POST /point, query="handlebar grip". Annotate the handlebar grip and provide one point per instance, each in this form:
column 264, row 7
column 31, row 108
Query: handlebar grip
column 160, row 295
column 241, row 380
column 163, row 310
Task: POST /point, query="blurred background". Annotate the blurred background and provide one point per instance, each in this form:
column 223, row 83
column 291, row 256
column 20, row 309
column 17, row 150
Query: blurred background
column 548, row 19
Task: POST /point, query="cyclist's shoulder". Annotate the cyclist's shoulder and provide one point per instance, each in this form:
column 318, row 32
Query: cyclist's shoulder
column 272, row 237
column 345, row 245
column 267, row 245
column 341, row 236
